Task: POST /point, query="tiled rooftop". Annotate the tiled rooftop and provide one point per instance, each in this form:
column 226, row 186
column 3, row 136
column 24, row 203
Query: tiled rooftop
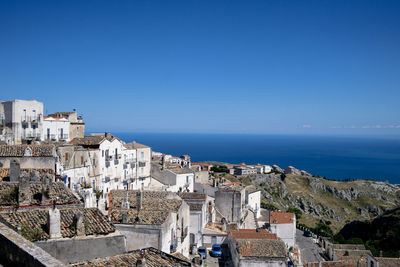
column 4, row 172
column 134, row 145
column 32, row 219
column 153, row 258
column 43, row 150
column 9, row 194
column 267, row 248
column 143, row 217
column 195, row 206
column 152, row 200
column 156, row 206
column 193, row 196
column 253, row 234
column 87, row 140
column 388, row 262
column 278, row 217
column 179, row 170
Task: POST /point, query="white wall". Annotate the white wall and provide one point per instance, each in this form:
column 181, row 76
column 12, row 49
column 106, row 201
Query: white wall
column 286, row 232
column 52, row 129
column 18, row 111
column 254, row 202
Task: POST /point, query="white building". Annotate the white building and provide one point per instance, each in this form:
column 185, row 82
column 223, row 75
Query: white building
column 55, row 129
column 22, row 119
column 254, row 248
column 284, row 225
column 136, row 165
column 151, row 219
column 176, row 179
column 198, row 216
column 253, row 199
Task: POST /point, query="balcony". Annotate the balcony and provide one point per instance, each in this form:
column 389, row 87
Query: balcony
column 63, row 137
column 50, row 137
column 142, row 164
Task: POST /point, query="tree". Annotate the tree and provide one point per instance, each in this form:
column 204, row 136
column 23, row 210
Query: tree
column 296, row 212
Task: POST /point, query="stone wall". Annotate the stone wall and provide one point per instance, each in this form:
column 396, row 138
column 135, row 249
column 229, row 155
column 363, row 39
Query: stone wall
column 71, row 250
column 17, row 251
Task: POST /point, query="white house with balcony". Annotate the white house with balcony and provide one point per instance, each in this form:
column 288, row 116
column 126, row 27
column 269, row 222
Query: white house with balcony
column 22, row 119
column 136, row 165
column 55, row 129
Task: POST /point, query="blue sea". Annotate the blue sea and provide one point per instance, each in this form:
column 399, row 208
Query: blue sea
column 326, row 156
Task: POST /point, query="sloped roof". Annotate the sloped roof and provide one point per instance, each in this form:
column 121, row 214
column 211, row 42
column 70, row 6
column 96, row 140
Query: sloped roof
column 4, row 172
column 253, row 234
column 268, row 248
column 36, row 219
column 42, row 150
column 153, row 258
column 156, row 206
column 134, row 145
column 58, row 192
column 193, row 196
column 278, row 217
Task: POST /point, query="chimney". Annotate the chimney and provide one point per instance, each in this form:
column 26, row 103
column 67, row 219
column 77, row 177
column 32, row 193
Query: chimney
column 54, row 222
column 141, row 261
column 125, row 217
column 24, row 192
column 79, row 223
column 15, row 171
column 139, row 200
column 126, row 205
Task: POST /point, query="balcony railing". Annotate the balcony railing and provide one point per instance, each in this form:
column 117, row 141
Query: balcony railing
column 31, row 119
column 63, row 137
column 50, row 137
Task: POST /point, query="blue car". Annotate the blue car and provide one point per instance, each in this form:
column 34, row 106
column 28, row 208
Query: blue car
column 216, row 251
column 202, row 251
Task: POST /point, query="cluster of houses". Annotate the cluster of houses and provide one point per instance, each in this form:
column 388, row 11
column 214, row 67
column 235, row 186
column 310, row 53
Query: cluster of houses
column 67, row 198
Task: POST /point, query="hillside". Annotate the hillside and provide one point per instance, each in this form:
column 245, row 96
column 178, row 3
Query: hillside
column 335, row 202
column 379, row 234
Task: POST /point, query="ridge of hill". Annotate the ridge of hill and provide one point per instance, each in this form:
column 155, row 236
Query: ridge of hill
column 333, row 202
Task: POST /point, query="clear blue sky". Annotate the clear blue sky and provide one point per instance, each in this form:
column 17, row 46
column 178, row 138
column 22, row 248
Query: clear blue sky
column 296, row 67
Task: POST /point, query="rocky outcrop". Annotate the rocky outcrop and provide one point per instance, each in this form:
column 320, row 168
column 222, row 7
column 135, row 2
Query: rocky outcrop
column 292, row 170
column 276, row 168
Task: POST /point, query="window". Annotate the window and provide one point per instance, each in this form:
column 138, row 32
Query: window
column 102, row 153
column 81, row 160
column 66, row 156
column 142, row 155
column 187, row 179
column 94, row 161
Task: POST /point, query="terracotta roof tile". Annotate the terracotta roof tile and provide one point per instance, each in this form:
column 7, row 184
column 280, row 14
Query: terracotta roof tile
column 193, row 196
column 31, row 219
column 268, row 248
column 253, row 234
column 42, row 150
column 152, row 256
column 58, row 192
column 277, row 217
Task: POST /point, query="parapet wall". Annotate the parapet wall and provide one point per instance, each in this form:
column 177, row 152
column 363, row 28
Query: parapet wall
column 17, row 251
column 72, row 250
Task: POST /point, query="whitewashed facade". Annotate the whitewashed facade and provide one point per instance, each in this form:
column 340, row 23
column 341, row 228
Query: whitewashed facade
column 55, row 129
